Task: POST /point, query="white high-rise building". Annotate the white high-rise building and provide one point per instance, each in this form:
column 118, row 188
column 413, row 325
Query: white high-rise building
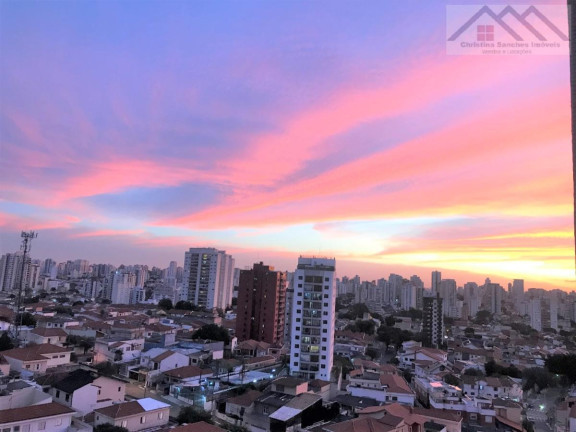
column 554, row 311
column 535, row 312
column 472, row 298
column 313, row 317
column 408, row 296
column 517, row 293
column 209, row 277
column 122, row 282
column 436, row 279
column 448, row 295
column 495, row 293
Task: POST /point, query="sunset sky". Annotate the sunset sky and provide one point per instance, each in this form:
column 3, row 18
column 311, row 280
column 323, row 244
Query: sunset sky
column 131, row 131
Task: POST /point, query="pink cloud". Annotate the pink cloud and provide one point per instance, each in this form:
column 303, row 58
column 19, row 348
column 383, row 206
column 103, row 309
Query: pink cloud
column 107, row 233
column 491, row 164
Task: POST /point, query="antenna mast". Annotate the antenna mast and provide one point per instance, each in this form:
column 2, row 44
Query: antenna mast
column 25, row 248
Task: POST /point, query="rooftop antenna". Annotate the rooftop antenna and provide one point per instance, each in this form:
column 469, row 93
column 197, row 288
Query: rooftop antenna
column 25, row 248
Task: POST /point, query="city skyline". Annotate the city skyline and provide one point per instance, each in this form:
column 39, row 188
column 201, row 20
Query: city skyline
column 274, row 131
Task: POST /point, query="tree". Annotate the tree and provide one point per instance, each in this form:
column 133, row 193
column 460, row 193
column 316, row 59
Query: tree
column 452, row 380
column 165, row 304
column 537, row 378
column 390, row 321
column 372, row 352
column 527, row 425
column 213, row 332
column 192, row 415
column 483, row 317
column 469, row 331
column 5, row 342
column 563, row 364
column 108, row 427
column 27, row 319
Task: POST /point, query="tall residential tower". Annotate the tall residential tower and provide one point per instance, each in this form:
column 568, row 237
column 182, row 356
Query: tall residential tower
column 208, row 277
column 261, row 304
column 313, row 316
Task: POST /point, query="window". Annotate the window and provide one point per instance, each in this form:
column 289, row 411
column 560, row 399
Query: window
column 42, row 425
column 296, row 355
column 26, row 428
column 298, row 302
column 325, row 304
column 17, row 428
column 325, row 322
column 38, row 366
column 485, row 33
column 297, row 328
column 142, row 420
column 295, row 363
column 296, row 345
column 323, row 357
column 298, row 320
column 124, row 423
column 326, row 279
column 161, row 415
column 67, row 398
column 119, row 389
column 57, row 393
column 324, row 339
column 57, row 422
column 325, row 331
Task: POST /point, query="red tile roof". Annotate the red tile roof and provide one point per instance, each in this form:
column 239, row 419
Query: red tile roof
column 34, row 352
column 33, row 412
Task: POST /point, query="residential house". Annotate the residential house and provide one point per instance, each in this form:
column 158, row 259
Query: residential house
column 135, row 416
column 117, row 350
column 155, row 361
column 236, row 406
column 37, row 358
column 50, row 335
column 50, row 417
column 381, row 387
column 84, row 391
column 409, row 355
column 387, row 423
column 492, row 387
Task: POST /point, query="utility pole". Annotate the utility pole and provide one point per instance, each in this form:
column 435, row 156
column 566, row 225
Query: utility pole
column 25, row 248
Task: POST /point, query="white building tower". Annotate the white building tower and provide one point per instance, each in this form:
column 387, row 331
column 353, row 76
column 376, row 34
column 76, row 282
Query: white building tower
column 208, row 277
column 313, row 316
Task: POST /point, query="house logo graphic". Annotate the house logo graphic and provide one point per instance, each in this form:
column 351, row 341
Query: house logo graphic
column 507, row 30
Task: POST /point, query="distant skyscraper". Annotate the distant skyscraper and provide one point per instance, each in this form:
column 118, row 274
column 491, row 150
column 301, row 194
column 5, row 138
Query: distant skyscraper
column 208, row 277
column 494, row 294
column 535, row 313
column 472, row 298
column 448, row 295
column 436, row 278
column 122, row 282
column 432, row 322
column 517, row 293
column 261, row 304
column 11, row 271
column 313, row 317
